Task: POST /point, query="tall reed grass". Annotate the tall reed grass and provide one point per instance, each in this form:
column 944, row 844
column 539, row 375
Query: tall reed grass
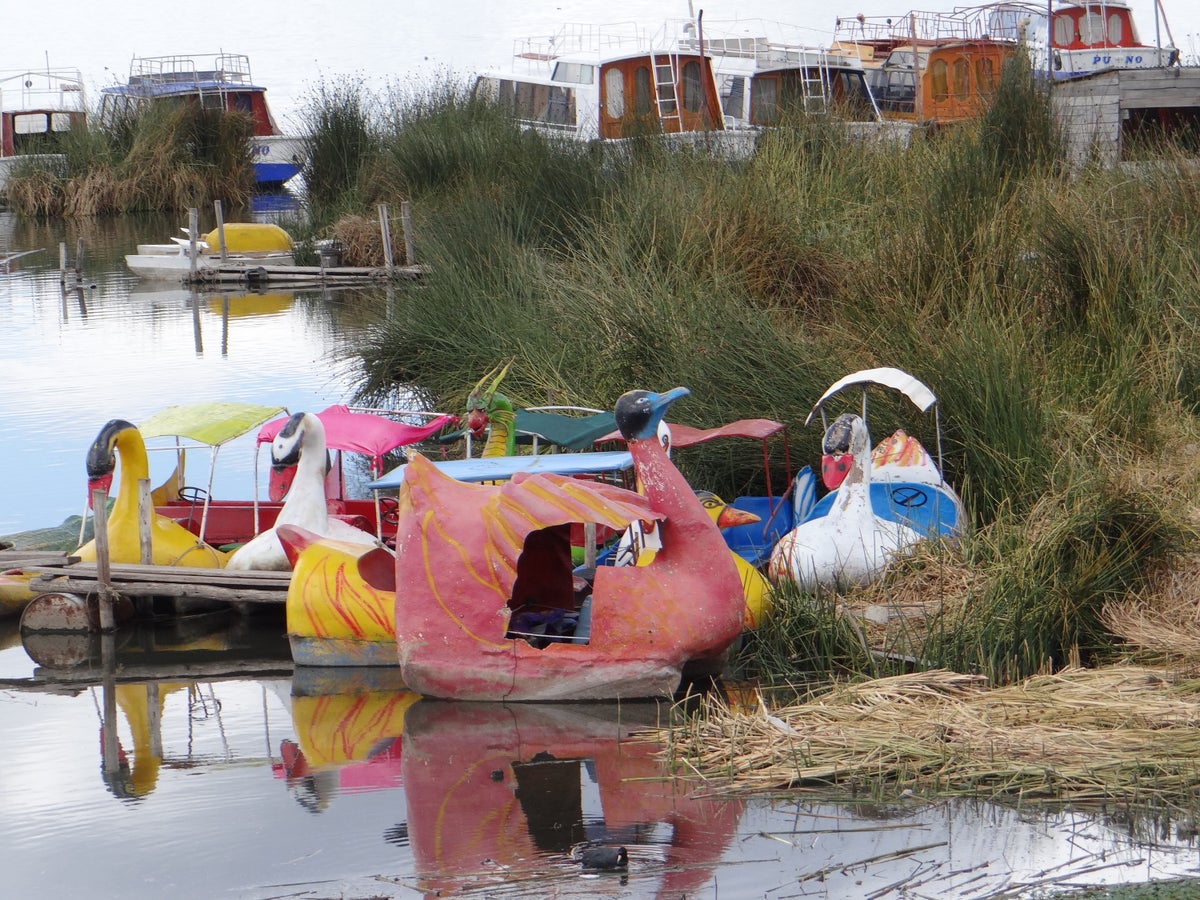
column 164, row 157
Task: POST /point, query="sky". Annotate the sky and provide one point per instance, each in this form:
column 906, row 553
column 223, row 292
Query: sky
column 294, row 45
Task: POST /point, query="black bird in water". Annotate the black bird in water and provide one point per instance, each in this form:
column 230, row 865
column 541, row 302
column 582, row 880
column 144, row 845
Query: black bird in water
column 604, row 858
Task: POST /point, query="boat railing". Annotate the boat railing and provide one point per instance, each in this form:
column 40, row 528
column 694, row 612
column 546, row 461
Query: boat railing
column 997, row 21
column 230, row 69
column 581, row 38
column 49, row 89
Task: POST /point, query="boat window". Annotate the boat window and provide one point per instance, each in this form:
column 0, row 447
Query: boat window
column 733, row 96
column 693, row 95
column 939, row 75
column 30, row 123
column 961, row 82
column 985, row 75
column 614, row 93
column 642, row 94
column 241, row 102
column 1064, row 30
column 573, row 73
column 560, row 106
column 1091, row 29
column 764, row 101
column 1116, row 29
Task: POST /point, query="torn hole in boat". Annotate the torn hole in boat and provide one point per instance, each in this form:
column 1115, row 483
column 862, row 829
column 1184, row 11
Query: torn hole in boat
column 551, row 602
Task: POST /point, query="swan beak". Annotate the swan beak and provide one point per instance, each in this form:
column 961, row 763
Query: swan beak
column 835, row 467
column 100, row 483
column 730, row 517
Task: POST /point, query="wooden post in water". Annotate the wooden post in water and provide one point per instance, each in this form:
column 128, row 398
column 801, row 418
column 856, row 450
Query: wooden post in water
column 79, row 260
column 110, row 748
column 62, row 263
column 193, row 227
column 220, row 228
column 385, row 229
column 145, row 516
column 144, row 605
column 410, row 247
column 103, row 571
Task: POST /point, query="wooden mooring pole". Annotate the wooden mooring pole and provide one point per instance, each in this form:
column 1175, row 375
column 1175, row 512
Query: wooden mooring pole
column 103, row 568
column 385, row 229
column 221, row 229
column 193, row 227
column 410, row 247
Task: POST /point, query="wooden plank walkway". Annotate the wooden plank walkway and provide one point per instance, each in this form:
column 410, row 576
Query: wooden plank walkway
column 19, row 559
column 318, row 275
column 164, row 581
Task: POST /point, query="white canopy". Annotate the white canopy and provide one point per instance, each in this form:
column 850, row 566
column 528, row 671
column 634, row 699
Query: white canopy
column 916, row 391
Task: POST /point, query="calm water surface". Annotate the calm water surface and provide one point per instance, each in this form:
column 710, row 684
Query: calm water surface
column 204, row 767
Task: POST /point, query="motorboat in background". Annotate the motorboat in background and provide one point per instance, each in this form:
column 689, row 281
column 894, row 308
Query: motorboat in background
column 767, row 71
column 935, row 68
column 1094, row 36
column 215, row 81
column 608, row 82
column 36, row 109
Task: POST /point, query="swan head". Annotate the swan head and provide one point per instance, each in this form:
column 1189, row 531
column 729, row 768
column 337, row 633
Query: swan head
column 638, row 413
column 846, row 443
column 102, row 455
column 302, row 431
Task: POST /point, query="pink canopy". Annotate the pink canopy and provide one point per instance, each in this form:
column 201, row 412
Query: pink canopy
column 366, row 433
column 687, row 436
column 754, row 429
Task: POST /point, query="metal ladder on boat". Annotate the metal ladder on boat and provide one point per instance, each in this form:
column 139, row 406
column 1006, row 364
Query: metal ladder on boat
column 814, row 87
column 666, row 73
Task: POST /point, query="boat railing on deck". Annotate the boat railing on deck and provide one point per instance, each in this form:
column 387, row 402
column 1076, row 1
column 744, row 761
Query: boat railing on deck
column 221, row 70
column 60, row 89
column 997, row 21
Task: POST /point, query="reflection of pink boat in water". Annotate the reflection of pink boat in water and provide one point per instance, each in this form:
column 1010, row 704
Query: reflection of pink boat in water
column 494, row 792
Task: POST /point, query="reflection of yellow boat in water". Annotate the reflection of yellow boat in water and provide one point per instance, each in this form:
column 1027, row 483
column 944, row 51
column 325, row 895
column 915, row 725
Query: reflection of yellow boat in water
column 142, row 706
column 238, row 303
column 348, row 729
column 249, row 304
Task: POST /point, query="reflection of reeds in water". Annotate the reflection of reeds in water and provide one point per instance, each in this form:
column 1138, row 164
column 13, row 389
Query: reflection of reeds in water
column 1126, row 732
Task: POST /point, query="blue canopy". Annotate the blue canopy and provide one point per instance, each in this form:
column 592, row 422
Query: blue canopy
column 501, row 468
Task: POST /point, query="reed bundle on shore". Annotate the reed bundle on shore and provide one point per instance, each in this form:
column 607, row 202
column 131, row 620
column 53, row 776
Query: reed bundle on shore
column 1125, row 732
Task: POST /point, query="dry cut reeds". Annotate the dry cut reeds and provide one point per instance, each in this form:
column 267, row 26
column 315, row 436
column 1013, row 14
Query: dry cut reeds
column 1084, row 735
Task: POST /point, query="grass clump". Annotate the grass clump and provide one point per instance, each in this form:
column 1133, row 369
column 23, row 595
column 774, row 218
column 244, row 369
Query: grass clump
column 164, row 157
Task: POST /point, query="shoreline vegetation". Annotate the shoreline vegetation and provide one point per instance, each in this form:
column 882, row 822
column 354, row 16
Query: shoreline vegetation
column 1055, row 311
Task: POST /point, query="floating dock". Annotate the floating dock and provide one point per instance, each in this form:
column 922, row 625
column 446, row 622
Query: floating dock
column 300, row 275
column 174, row 582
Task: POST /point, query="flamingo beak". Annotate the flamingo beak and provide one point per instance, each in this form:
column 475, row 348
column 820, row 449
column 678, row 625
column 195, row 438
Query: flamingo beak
column 731, row 517
column 835, row 467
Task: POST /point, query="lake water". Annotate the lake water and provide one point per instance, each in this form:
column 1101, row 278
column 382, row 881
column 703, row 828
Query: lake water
column 204, row 767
